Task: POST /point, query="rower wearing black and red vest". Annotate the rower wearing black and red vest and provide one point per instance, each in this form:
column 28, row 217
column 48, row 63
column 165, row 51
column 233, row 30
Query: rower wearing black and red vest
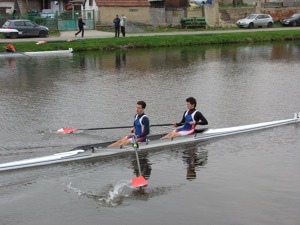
column 140, row 129
column 191, row 118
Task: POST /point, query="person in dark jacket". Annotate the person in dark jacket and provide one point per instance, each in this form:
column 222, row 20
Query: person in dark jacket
column 80, row 26
column 117, row 26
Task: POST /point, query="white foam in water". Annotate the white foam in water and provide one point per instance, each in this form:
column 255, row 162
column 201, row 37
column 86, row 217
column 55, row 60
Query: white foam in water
column 120, row 189
column 76, row 190
column 116, row 195
column 113, row 198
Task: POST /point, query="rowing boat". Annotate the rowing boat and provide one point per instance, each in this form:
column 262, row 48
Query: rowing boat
column 100, row 150
column 39, row 53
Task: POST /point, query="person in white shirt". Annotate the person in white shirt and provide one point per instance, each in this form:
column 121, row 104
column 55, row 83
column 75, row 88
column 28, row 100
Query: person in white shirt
column 123, row 24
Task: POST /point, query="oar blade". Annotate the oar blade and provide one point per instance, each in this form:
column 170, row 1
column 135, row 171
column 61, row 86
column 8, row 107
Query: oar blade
column 67, row 130
column 139, row 182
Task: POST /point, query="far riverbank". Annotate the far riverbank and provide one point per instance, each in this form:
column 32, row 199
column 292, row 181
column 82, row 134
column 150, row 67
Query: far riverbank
column 158, row 40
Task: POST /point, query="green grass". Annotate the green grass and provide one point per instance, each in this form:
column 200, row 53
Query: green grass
column 105, row 44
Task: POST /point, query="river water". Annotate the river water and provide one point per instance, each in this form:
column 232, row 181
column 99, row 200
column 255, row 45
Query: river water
column 244, row 179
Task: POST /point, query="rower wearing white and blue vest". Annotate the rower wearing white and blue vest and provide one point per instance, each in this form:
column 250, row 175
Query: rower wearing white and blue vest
column 191, row 118
column 140, row 129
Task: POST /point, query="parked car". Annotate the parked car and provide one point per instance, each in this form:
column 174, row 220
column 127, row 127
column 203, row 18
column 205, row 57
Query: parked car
column 256, row 20
column 26, row 28
column 294, row 20
column 47, row 13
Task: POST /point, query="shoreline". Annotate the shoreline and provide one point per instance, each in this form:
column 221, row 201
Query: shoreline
column 104, row 41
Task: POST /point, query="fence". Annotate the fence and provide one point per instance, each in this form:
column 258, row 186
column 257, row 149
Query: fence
column 60, row 20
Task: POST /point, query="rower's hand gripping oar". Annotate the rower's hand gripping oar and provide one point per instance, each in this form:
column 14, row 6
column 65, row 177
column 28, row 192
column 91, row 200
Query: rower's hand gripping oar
column 139, row 181
column 68, row 130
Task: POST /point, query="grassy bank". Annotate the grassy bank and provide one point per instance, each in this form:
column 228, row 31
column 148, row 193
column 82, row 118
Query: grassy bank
column 163, row 41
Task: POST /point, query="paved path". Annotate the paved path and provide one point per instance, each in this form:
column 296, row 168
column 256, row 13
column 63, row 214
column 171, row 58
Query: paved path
column 100, row 34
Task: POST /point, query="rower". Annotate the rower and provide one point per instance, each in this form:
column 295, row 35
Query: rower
column 140, row 128
column 10, row 47
column 191, row 118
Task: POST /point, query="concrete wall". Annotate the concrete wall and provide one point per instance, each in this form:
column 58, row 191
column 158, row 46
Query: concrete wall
column 195, row 12
column 280, row 13
column 157, row 16
column 173, row 16
column 212, row 14
column 276, row 13
column 239, row 13
column 133, row 14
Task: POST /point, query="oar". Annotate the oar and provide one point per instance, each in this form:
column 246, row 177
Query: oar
column 68, row 130
column 23, row 54
column 139, row 181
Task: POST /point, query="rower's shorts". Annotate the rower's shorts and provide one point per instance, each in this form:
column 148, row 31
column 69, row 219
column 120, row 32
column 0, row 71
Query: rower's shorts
column 130, row 138
column 185, row 132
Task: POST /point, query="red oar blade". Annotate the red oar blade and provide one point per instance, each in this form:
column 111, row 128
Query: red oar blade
column 139, row 182
column 67, row 130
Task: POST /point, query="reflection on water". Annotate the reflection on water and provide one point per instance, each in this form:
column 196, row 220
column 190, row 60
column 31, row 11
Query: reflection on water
column 194, row 158
column 144, row 163
column 120, row 59
column 234, row 85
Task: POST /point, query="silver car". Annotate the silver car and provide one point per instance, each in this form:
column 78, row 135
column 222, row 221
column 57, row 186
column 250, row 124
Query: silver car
column 256, row 20
column 26, row 28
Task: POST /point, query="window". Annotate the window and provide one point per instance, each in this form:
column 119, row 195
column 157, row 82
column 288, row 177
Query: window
column 19, row 23
column 29, row 24
column 90, row 2
column 133, row 10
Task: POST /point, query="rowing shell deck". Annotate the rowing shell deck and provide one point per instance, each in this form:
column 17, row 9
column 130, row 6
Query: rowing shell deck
column 32, row 54
column 100, row 150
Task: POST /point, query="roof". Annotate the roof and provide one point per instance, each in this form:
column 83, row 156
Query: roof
column 123, row 3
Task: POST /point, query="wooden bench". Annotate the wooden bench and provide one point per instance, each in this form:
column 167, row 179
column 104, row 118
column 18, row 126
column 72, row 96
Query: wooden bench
column 193, row 22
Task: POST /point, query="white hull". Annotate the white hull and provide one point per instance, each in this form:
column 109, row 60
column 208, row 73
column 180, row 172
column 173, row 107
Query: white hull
column 32, row 54
column 80, row 154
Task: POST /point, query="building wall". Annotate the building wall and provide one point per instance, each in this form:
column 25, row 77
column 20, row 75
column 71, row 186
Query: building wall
column 195, row 12
column 133, row 14
column 174, row 4
column 7, row 4
column 93, row 7
column 173, row 16
column 157, row 16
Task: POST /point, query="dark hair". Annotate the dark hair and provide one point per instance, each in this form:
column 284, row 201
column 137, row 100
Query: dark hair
column 192, row 101
column 142, row 103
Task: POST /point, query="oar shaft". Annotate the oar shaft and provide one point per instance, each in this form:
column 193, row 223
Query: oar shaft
column 107, row 128
column 138, row 161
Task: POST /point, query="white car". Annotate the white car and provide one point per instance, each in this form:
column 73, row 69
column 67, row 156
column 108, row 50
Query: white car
column 47, row 13
column 256, row 20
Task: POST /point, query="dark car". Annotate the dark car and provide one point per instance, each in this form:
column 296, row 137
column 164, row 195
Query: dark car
column 294, row 20
column 26, row 28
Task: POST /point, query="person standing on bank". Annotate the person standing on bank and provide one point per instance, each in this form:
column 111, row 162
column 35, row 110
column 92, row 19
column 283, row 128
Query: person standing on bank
column 123, row 24
column 140, row 129
column 190, row 120
column 80, row 26
column 117, row 26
